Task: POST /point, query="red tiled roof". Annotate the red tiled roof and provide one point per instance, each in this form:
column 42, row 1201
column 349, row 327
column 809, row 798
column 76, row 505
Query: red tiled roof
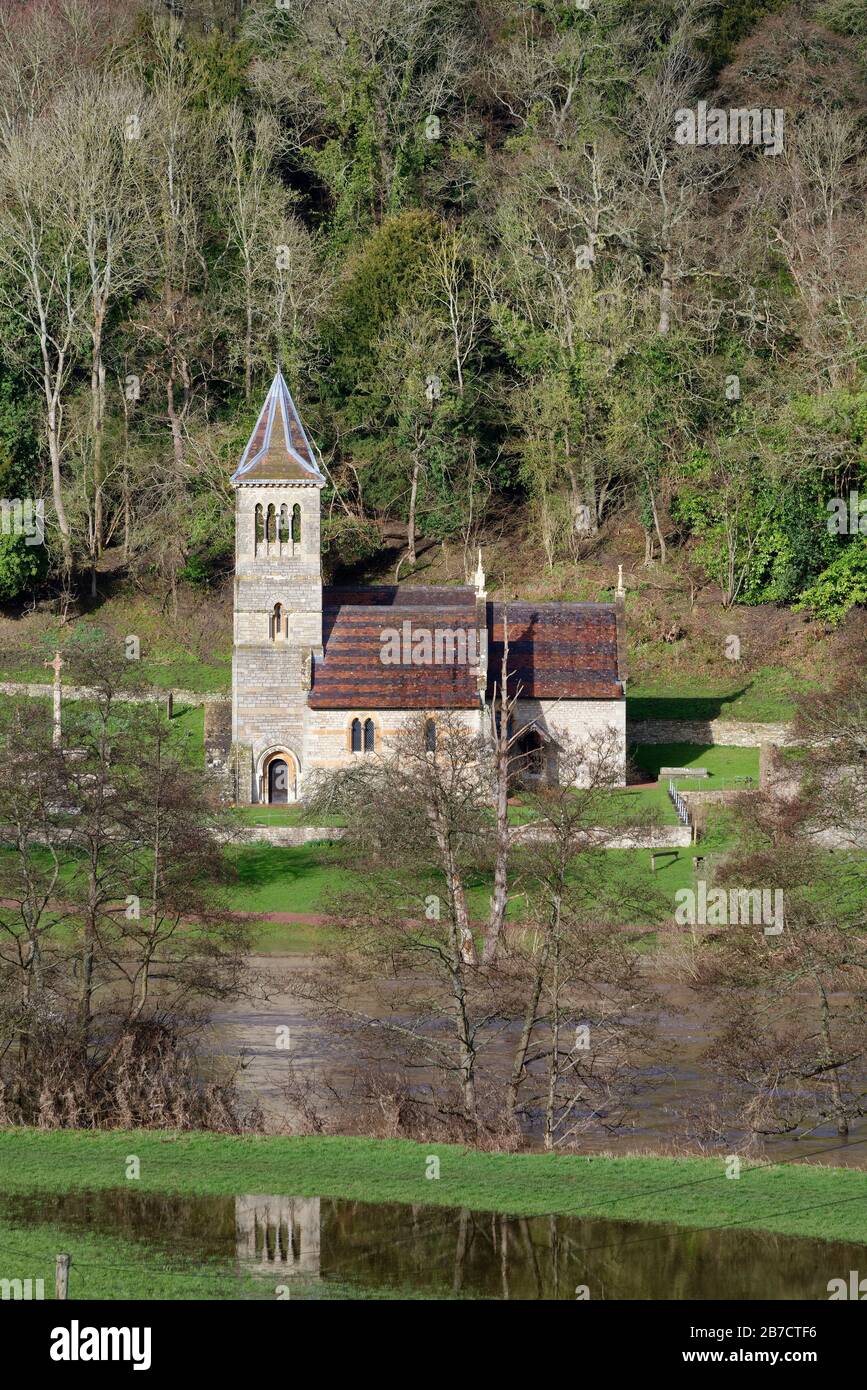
column 352, row 674
column 556, row 650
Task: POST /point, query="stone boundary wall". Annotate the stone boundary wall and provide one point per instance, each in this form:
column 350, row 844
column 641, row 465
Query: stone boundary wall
column 665, row 837
column 40, row 690
column 736, row 733
column 696, row 799
column 289, row 836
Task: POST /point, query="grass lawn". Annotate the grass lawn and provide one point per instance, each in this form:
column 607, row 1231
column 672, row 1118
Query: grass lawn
column 187, row 725
column 174, row 655
column 726, row 765
column 114, row 1268
column 791, row 1199
column 612, row 808
column 764, row 696
column 277, row 878
column 272, row 878
column 169, row 673
column 283, row 815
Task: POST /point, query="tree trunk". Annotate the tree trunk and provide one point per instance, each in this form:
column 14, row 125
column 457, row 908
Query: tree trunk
column 531, row 1015
column 56, row 487
column 837, row 1102
column 663, row 552
column 97, row 421
column 499, row 897
column 413, row 497
column 665, row 292
column 554, row 1064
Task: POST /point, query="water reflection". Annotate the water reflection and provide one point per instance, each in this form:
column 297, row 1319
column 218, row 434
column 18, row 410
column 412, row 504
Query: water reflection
column 278, row 1235
column 307, row 1247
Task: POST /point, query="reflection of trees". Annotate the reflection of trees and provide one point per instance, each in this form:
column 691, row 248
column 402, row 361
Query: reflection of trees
column 461, row 1253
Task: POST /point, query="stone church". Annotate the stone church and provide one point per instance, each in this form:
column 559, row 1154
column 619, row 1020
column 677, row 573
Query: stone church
column 322, row 675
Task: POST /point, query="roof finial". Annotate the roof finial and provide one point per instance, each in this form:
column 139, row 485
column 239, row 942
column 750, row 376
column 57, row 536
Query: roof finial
column 621, row 590
column 480, row 575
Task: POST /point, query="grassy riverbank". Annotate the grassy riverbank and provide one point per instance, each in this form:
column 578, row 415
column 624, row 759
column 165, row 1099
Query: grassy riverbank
column 791, row 1199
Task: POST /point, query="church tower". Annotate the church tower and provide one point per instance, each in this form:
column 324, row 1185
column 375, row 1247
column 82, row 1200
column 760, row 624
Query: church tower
column 278, row 600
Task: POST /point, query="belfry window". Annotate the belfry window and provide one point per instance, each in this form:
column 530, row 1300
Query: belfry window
column 284, row 525
column 271, row 525
column 296, row 524
column 259, row 532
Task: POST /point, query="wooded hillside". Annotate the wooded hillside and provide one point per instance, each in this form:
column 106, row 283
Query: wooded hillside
column 507, row 300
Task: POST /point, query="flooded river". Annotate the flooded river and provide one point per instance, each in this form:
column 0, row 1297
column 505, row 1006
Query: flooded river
column 272, row 1246
column 668, row 1114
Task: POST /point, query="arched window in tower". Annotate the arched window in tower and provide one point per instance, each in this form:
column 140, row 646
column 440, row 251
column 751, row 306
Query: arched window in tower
column 369, row 736
column 271, row 525
column 296, row 524
column 430, row 736
column 278, row 623
column 284, row 526
column 259, row 531
column 355, row 740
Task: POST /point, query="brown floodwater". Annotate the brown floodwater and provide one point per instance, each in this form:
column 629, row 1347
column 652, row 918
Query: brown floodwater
column 668, row 1115
column 273, row 1246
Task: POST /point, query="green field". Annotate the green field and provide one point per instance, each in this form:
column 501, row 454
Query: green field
column 793, row 1199
column 103, row 1267
column 764, row 695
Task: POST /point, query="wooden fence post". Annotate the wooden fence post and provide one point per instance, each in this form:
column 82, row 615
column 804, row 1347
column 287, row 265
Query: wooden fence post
column 61, row 1276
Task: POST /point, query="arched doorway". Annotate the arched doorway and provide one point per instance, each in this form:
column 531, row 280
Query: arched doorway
column 278, row 782
column 279, row 779
column 531, row 763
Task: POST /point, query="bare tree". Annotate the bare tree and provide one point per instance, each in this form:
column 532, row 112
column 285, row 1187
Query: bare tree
column 40, row 286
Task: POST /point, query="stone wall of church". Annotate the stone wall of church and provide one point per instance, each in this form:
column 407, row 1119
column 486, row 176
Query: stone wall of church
column 577, row 721
column 269, row 706
column 269, row 699
column 328, row 744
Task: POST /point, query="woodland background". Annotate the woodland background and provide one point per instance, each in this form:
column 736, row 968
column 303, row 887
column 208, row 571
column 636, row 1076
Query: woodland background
column 507, row 302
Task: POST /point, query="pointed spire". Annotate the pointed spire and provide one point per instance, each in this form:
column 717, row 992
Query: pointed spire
column 480, row 575
column 278, row 450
